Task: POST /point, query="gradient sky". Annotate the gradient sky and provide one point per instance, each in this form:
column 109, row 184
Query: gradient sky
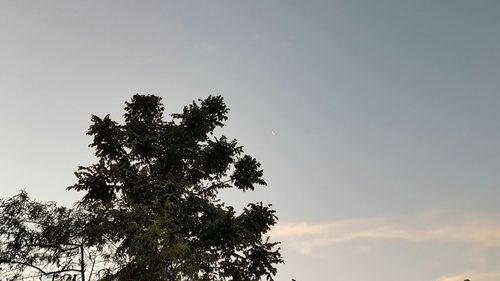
column 377, row 122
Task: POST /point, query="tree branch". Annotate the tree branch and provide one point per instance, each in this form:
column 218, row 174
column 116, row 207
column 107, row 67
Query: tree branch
column 38, row 268
column 215, row 185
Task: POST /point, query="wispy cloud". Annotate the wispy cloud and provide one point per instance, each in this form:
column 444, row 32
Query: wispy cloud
column 207, row 49
column 475, row 276
column 439, row 225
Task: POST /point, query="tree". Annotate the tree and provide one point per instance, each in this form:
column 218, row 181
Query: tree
column 42, row 240
column 151, row 209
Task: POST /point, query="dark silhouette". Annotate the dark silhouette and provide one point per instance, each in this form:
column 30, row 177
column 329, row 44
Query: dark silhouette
column 150, row 209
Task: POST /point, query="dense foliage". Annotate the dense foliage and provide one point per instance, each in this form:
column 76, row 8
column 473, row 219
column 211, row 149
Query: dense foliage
column 150, row 206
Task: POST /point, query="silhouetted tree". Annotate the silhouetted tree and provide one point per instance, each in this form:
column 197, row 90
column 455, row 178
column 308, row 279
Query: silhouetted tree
column 154, row 188
column 150, row 209
column 42, row 239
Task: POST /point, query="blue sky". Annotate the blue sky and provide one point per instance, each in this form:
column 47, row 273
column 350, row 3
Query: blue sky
column 376, row 121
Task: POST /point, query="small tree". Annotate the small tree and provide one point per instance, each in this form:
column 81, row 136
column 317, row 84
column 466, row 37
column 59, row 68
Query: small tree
column 41, row 239
column 153, row 194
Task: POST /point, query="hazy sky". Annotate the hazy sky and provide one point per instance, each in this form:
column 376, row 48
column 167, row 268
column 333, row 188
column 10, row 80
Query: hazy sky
column 377, row 122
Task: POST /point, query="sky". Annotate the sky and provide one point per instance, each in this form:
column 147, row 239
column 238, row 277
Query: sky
column 376, row 122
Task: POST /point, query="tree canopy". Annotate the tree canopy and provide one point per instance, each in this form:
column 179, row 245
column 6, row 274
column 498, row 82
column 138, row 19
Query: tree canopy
column 150, row 209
